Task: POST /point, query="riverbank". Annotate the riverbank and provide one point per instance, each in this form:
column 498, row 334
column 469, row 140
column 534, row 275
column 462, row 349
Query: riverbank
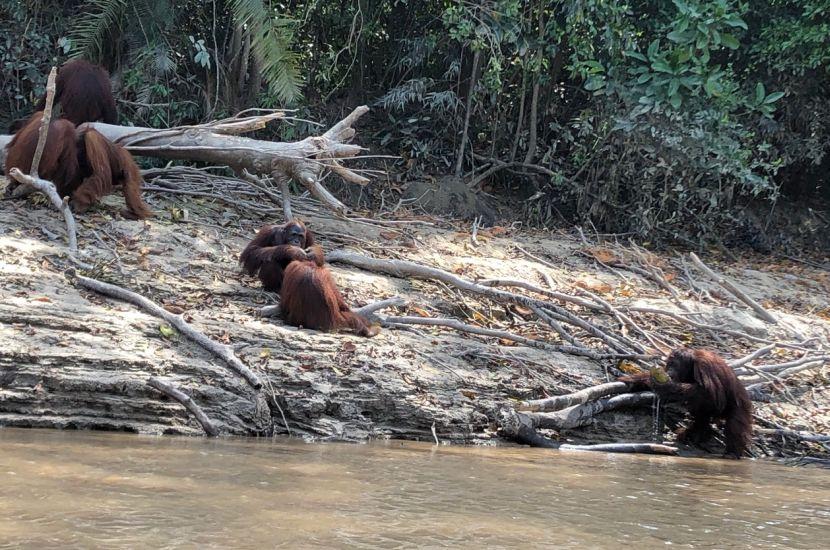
column 72, row 359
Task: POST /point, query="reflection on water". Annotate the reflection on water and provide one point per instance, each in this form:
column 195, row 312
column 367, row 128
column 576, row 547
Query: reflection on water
column 78, row 489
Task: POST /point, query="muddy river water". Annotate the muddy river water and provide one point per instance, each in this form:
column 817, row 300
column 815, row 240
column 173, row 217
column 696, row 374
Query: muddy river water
column 102, row 490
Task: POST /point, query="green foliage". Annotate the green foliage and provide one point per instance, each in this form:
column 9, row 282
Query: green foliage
column 665, row 118
column 271, row 40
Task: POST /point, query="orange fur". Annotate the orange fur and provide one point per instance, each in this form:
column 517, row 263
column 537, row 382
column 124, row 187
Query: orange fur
column 82, row 164
column 309, row 298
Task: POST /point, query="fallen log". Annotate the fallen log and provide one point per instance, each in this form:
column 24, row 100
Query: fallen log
column 582, row 414
column 519, row 427
column 218, row 143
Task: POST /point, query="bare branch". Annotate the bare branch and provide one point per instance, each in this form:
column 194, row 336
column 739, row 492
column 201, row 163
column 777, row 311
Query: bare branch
column 220, row 350
column 734, row 290
column 188, row 403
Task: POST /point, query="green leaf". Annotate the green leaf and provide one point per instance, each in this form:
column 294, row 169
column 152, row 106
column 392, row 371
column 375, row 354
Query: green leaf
column 760, row 92
column 674, row 85
column 653, row 48
column 167, row 331
column 643, row 78
column 662, row 66
column 730, row 41
column 675, row 101
column 773, row 97
column 735, row 21
column 635, row 55
column 271, row 39
column 680, row 37
column 594, row 83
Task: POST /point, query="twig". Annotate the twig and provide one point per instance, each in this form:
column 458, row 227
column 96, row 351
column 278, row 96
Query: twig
column 274, row 310
column 474, row 232
column 188, row 403
column 760, row 352
column 463, row 327
column 224, row 352
column 368, row 309
column 434, row 434
column 795, row 434
column 45, row 118
column 401, row 268
column 734, row 290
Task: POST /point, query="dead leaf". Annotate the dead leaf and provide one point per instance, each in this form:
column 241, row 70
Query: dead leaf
column 506, row 342
column 265, row 353
column 42, row 299
column 597, row 287
column 420, row 312
column 604, row 255
column 389, row 235
column 469, row 394
column 174, row 309
column 629, row 367
column 348, row 347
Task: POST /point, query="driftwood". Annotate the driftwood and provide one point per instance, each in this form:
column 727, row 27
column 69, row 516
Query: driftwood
column 620, row 346
column 519, row 427
column 224, row 352
column 187, row 402
column 582, row 415
column 218, row 143
column 762, row 313
column 577, row 398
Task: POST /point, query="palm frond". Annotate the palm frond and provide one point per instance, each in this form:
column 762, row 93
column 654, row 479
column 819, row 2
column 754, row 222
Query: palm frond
column 271, row 38
column 94, row 27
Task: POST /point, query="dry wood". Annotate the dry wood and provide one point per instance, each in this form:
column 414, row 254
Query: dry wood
column 402, row 268
column 795, row 434
column 43, row 131
column 642, row 448
column 217, row 143
column 582, row 396
column 519, row 427
column 48, row 189
column 220, row 350
column 188, row 403
column 762, row 313
column 582, row 414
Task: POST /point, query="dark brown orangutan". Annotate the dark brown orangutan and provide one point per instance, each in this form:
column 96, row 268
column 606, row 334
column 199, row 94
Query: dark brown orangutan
column 81, row 162
column 273, row 248
column 701, row 380
column 309, row 298
column 84, row 93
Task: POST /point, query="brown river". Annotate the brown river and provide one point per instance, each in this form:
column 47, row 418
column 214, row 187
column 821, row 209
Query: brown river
column 103, row 490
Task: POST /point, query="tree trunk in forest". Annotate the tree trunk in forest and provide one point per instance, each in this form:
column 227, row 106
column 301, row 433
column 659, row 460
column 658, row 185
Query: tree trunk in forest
column 534, row 102
column 473, row 77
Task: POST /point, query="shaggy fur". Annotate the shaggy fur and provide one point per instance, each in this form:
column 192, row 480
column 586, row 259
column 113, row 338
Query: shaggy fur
column 309, row 298
column 82, row 163
column 273, row 248
column 709, row 389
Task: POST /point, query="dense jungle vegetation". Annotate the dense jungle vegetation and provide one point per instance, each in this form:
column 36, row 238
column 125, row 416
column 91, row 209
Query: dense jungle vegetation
column 691, row 120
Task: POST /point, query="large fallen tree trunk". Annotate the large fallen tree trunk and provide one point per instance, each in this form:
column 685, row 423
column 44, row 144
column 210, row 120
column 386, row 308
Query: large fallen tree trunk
column 218, row 143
